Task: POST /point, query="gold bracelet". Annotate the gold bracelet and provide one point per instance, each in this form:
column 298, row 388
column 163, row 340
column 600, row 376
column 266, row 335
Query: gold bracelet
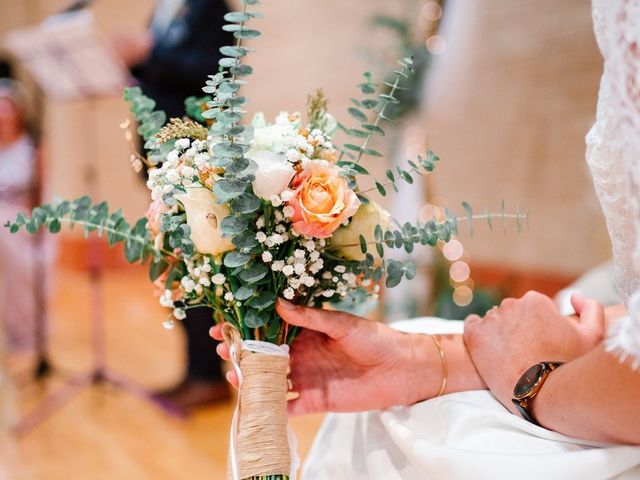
column 443, row 361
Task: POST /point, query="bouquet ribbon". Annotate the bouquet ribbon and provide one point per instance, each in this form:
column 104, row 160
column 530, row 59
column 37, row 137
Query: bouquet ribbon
column 261, row 442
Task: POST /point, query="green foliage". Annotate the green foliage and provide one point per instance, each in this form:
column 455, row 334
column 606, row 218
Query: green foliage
column 93, row 218
column 378, row 107
column 150, row 121
column 423, row 166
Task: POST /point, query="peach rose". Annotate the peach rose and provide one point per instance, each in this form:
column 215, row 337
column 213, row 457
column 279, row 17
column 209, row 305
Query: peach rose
column 321, row 200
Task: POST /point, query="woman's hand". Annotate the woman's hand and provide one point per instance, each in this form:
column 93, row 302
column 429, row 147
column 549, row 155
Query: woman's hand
column 344, row 363
column 523, row 332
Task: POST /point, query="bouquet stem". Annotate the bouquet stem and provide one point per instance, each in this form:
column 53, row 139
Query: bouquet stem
column 259, row 446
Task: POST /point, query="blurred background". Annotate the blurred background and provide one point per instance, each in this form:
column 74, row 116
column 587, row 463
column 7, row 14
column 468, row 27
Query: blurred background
column 505, row 93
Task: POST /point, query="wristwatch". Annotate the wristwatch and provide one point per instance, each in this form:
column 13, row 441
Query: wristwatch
column 529, row 385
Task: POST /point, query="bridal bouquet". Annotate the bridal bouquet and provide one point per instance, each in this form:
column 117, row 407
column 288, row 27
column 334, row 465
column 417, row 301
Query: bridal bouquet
column 241, row 214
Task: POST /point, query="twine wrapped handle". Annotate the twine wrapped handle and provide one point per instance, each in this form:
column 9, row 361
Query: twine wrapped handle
column 259, row 437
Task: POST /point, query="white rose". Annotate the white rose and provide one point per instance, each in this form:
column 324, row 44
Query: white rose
column 362, row 223
column 203, row 217
column 272, row 137
column 273, row 174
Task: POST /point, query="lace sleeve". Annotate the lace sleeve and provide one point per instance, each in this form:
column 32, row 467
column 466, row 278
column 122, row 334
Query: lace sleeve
column 613, row 155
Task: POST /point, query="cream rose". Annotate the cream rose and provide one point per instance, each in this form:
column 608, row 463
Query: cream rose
column 273, row 175
column 363, row 223
column 203, row 217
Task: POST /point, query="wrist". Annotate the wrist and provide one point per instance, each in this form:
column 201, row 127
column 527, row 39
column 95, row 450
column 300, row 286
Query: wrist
column 423, row 367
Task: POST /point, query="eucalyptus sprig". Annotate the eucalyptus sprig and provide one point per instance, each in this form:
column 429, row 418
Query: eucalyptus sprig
column 93, row 218
column 369, row 128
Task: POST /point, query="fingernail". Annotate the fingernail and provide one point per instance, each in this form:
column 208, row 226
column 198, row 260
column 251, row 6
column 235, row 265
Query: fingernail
column 286, row 304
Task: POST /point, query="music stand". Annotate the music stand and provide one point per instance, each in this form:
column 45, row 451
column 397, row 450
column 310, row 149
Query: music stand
column 70, row 61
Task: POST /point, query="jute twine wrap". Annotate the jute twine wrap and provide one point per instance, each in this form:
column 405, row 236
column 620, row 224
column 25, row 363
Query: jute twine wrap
column 261, row 442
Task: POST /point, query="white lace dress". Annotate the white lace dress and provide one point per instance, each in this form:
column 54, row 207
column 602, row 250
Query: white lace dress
column 470, row 435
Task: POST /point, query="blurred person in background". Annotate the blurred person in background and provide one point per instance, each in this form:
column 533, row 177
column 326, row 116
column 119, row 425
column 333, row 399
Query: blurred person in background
column 18, row 193
column 171, row 61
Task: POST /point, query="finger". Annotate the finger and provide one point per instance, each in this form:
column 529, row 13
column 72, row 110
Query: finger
column 472, row 319
column 223, row 350
column 232, row 378
column 590, row 312
column 216, row 332
column 333, row 324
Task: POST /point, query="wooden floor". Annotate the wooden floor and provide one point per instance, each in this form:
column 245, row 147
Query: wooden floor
column 104, row 433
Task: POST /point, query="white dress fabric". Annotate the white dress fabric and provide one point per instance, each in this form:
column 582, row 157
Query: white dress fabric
column 470, row 434
column 613, row 156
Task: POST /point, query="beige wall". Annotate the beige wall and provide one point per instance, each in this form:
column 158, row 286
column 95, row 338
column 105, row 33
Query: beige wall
column 511, row 102
column 513, row 97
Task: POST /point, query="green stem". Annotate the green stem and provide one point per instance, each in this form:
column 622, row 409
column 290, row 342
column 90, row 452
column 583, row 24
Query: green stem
column 126, row 236
column 379, row 117
column 458, row 219
column 389, row 182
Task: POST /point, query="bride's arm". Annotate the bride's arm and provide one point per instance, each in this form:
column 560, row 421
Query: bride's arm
column 594, row 397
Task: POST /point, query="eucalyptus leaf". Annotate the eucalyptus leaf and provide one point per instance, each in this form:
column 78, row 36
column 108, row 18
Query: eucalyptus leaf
column 262, row 301
column 236, row 259
column 244, row 292
column 233, row 225
column 254, row 273
column 256, row 318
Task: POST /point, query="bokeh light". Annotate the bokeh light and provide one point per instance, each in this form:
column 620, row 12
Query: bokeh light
column 459, row 272
column 462, row 296
column 432, row 11
column 453, row 250
column 436, row 45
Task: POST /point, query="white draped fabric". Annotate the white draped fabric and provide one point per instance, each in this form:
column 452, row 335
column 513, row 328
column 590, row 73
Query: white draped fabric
column 470, row 434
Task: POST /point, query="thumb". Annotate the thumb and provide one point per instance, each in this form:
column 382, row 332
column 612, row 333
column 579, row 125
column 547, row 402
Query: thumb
column 332, row 324
column 590, row 312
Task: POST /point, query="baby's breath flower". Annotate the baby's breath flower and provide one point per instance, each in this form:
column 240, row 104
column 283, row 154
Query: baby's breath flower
column 187, row 284
column 276, row 201
column 299, row 268
column 183, row 143
column 277, row 266
column 166, row 300
column 218, row 279
column 260, row 222
column 286, row 195
column 328, row 293
column 228, row 296
column 340, row 268
column 315, row 255
column 267, row 257
column 189, row 172
column 287, row 270
column 288, row 211
column 179, row 314
column 299, row 253
column 289, row 293
column 261, row 237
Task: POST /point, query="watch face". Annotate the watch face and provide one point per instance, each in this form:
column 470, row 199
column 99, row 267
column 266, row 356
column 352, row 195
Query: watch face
column 528, row 381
